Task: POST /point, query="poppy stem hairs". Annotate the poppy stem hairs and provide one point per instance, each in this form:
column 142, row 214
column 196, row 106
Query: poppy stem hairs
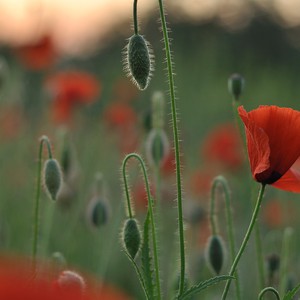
column 221, row 181
column 43, row 139
column 246, row 238
column 176, row 145
column 150, row 214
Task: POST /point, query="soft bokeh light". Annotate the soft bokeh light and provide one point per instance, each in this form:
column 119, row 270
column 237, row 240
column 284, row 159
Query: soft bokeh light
column 79, row 26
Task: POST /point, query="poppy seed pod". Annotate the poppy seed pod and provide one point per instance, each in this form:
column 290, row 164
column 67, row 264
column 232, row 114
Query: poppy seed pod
column 52, row 177
column 139, row 61
column 131, row 237
column 273, row 263
column 215, row 253
column 236, row 85
column 157, row 147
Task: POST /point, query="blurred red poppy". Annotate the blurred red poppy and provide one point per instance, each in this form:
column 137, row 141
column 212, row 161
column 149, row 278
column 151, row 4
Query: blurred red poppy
column 70, row 88
column 223, row 147
column 119, row 115
column 38, row 55
column 273, row 145
column 17, row 283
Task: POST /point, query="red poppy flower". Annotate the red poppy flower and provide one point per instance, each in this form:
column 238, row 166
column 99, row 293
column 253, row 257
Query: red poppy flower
column 70, row 88
column 273, row 145
column 223, row 147
column 38, row 55
column 17, row 283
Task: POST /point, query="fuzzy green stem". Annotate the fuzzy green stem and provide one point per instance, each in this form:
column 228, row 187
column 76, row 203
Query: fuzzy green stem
column 130, row 213
column 43, row 139
column 246, row 239
column 176, row 146
column 150, row 207
column 220, row 180
column 135, row 18
column 285, row 255
column 268, row 289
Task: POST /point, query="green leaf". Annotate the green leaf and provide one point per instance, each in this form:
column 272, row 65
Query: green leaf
column 195, row 289
column 290, row 294
column 146, row 260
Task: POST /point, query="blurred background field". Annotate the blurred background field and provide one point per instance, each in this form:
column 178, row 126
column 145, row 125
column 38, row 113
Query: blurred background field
column 68, row 83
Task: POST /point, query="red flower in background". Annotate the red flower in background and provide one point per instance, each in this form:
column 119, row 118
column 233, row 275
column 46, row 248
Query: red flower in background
column 273, row 145
column 71, row 88
column 223, row 147
column 17, row 283
column 120, row 115
column 38, row 55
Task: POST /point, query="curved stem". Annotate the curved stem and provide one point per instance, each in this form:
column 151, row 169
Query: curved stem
column 135, row 18
column 43, row 139
column 176, row 146
column 268, row 289
column 220, row 180
column 150, row 204
column 130, row 213
column 246, row 239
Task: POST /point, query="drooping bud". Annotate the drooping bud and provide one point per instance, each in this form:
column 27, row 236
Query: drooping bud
column 157, row 147
column 138, row 61
column 97, row 212
column 236, row 85
column 131, row 237
column 215, row 253
column 52, row 177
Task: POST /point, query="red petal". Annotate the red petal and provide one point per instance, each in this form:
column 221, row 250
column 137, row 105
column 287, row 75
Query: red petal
column 272, row 138
column 290, row 181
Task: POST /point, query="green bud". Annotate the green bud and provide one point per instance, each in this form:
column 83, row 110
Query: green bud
column 215, row 253
column 157, row 147
column 97, row 212
column 139, row 61
column 52, row 177
column 236, row 85
column 131, row 237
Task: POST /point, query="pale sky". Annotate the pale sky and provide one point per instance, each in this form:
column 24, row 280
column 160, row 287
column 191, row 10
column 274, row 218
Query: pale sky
column 77, row 25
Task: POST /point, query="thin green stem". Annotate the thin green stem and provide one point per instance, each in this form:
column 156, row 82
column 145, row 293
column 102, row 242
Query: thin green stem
column 258, row 243
column 220, row 180
column 130, row 214
column 285, row 255
column 150, row 206
column 268, row 289
column 135, row 18
column 176, row 146
column 246, row 239
column 43, row 139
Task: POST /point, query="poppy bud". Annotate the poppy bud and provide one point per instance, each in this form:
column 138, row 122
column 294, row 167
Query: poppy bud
column 97, row 212
column 139, row 61
column 131, row 237
column 52, row 177
column 236, row 85
column 70, row 281
column 215, row 253
column 157, row 147
column 273, row 263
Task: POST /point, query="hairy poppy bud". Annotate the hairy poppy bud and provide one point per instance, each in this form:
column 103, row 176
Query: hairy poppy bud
column 97, row 212
column 131, row 237
column 52, row 177
column 215, row 253
column 157, row 147
column 139, row 61
column 236, row 85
